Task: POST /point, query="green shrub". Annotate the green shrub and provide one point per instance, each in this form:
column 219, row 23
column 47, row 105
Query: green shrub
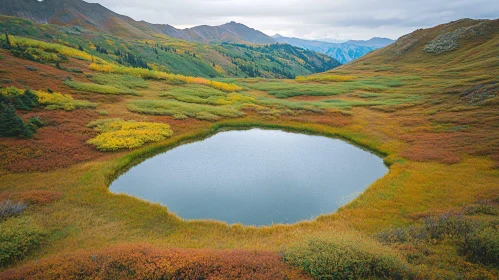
column 482, row 207
column 482, row 245
column 104, row 89
column 434, row 228
column 18, row 236
column 127, row 81
column 26, row 100
column 346, row 257
column 182, row 110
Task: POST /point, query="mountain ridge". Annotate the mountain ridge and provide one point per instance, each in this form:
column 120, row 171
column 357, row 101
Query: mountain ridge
column 343, row 52
column 231, row 32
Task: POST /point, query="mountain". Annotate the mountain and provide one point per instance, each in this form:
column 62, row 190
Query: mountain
column 91, row 16
column 344, row 52
column 231, row 32
column 96, row 17
column 376, row 42
column 178, row 56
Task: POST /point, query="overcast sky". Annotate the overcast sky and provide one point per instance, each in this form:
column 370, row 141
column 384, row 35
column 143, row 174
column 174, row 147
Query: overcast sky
column 311, row 19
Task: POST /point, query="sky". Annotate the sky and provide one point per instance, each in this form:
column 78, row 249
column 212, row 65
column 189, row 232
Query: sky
column 309, row 19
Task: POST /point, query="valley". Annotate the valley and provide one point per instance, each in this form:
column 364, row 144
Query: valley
column 84, row 104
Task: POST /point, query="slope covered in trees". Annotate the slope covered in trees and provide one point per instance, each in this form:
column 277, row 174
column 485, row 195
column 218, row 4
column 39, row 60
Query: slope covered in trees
column 175, row 56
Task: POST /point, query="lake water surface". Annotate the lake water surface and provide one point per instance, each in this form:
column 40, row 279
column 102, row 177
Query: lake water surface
column 254, row 177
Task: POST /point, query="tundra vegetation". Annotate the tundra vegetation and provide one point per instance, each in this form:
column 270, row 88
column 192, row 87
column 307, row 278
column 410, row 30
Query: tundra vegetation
column 95, row 105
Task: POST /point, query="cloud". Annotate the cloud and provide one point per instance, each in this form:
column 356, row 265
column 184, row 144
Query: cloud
column 336, row 19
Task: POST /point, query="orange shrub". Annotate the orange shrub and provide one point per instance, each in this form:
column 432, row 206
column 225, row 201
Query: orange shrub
column 146, row 262
column 32, row 197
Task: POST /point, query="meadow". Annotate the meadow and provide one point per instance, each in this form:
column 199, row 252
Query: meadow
column 433, row 216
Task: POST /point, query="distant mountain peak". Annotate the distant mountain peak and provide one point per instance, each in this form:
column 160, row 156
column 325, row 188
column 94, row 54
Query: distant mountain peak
column 277, row 35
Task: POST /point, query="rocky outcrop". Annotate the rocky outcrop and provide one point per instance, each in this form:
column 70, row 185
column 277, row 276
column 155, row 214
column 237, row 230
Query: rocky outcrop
column 450, row 41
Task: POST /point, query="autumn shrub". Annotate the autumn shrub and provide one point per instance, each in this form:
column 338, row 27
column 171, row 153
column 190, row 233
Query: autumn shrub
column 60, row 101
column 18, row 237
column 96, row 88
column 9, row 208
column 169, row 78
column 19, row 99
column 40, row 197
column 145, row 262
column 346, row 257
column 118, row 134
column 183, row 110
column 50, row 48
column 37, row 55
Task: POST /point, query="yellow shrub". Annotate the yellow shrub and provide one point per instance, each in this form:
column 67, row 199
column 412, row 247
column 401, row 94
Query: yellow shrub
column 54, row 101
column 158, row 75
column 67, row 51
column 119, row 134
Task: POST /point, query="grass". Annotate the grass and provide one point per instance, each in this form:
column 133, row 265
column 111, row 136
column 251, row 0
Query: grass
column 286, row 89
column 325, row 78
column 174, row 79
column 97, row 88
column 183, row 110
column 126, row 81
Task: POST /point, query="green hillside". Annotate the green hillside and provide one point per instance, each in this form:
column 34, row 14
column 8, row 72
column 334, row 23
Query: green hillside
column 178, row 56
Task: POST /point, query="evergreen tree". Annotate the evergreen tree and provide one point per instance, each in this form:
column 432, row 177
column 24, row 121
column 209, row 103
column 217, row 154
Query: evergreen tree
column 7, row 40
column 11, row 125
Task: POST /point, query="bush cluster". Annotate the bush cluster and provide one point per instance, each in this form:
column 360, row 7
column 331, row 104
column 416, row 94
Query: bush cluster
column 60, row 101
column 346, row 257
column 158, row 75
column 11, row 125
column 183, row 110
column 97, row 88
column 475, row 239
column 146, row 262
column 9, row 208
column 18, row 237
column 119, row 134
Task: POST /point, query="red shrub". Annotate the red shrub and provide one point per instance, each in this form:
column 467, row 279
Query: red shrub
column 146, row 262
column 32, row 197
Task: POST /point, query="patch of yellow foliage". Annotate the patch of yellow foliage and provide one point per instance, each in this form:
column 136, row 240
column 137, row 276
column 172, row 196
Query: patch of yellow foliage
column 67, row 51
column 55, row 100
column 158, row 75
column 119, row 134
